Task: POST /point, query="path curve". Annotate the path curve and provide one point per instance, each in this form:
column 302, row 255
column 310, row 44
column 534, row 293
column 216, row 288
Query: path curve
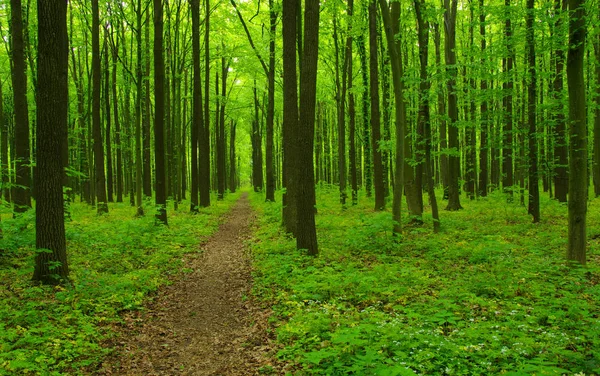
column 204, row 323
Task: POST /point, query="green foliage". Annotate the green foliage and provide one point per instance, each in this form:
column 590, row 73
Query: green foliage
column 117, row 262
column 490, row 294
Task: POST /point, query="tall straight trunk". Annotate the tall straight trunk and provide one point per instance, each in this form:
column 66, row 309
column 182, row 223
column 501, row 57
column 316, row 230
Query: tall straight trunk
column 351, row 107
column 232, row 158
column 454, row 157
column 534, row 190
column 96, row 124
column 375, row 112
column 257, row 170
column 561, row 174
column 290, row 114
column 204, row 135
column 424, row 111
column 138, row 114
column 4, row 166
column 108, row 119
column 159, row 121
column 306, row 234
column 51, row 266
column 397, row 73
column 221, row 174
column 21, row 191
column 441, row 110
column 485, row 118
column 578, row 179
column 147, row 114
column 340, row 94
column 596, row 166
column 197, row 120
column 507, row 131
column 471, row 127
column 270, row 186
column 119, row 175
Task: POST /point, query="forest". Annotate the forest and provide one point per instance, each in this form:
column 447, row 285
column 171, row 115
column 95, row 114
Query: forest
column 329, row 187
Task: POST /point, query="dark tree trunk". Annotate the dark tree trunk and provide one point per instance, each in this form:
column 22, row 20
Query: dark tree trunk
column 4, row 166
column 21, row 191
column 424, row 111
column 507, row 139
column 365, row 100
column 108, row 118
column 159, row 120
column 52, row 102
column 596, row 168
column 138, row 115
column 306, row 234
column 485, row 119
column 204, row 135
column 340, row 94
column 197, row 120
column 96, row 124
column 375, row 112
column 441, row 112
column 270, row 191
column 119, row 175
column 454, row 157
column 578, row 150
column 147, row 114
column 221, row 175
column 351, row 108
column 534, row 190
column 232, row 159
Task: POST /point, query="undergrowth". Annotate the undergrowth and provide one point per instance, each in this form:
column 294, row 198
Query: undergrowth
column 117, row 262
column 490, row 294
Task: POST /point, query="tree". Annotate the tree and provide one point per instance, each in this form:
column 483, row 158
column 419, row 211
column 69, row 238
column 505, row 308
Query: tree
column 485, row 122
column 197, row 120
column 96, row 125
column 534, row 191
column 454, row 157
column 561, row 175
column 52, row 101
column 159, row 120
column 578, row 149
column 507, row 131
column 375, row 113
column 22, row 194
column 204, row 128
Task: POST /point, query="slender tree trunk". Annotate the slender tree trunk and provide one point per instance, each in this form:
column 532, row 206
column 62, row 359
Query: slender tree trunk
column 485, row 118
column 351, row 107
column 21, row 191
column 365, row 101
column 4, row 167
column 561, row 175
column 441, row 112
column 97, row 126
column 596, row 168
column 270, row 191
column 159, row 121
column 534, row 190
column 52, row 103
column 197, row 120
column 147, row 114
column 578, row 187
column 119, row 176
column 138, row 115
column 375, row 112
column 221, row 175
column 204, row 135
column 454, row 157
column 108, row 119
column 232, row 158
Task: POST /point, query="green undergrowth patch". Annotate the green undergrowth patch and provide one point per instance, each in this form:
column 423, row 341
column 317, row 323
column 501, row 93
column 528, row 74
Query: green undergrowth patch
column 490, row 294
column 117, row 262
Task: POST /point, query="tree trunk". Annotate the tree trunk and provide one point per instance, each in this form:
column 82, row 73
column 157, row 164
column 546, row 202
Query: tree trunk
column 4, row 167
column 485, row 118
column 21, row 191
column 159, row 120
column 96, row 124
column 52, row 102
column 108, row 119
column 454, row 157
column 351, row 107
column 596, row 168
column 138, row 115
column 375, row 113
column 197, row 120
column 204, row 135
column 534, row 190
column 221, row 132
column 119, row 176
column 507, row 140
column 561, row 175
column 578, row 152
column 147, row 113
column 232, row 159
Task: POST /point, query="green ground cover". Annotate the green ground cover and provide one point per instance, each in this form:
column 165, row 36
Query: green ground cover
column 116, row 261
column 490, row 294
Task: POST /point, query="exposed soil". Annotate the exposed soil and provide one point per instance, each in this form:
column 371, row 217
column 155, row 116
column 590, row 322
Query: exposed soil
column 205, row 323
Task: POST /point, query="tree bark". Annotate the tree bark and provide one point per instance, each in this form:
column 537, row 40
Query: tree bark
column 21, row 191
column 485, row 118
column 197, row 120
column 96, row 124
column 578, row 179
column 159, row 120
column 204, row 135
column 507, row 140
column 51, row 265
column 534, row 190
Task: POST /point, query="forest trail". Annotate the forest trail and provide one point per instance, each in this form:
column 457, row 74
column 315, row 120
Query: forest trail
column 202, row 324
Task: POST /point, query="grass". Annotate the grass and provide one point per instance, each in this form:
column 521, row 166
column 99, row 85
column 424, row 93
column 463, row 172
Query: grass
column 490, row 294
column 117, row 262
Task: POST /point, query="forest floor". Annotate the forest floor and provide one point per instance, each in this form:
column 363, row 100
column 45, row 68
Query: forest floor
column 206, row 322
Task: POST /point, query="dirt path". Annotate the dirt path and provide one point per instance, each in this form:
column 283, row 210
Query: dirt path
column 203, row 324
